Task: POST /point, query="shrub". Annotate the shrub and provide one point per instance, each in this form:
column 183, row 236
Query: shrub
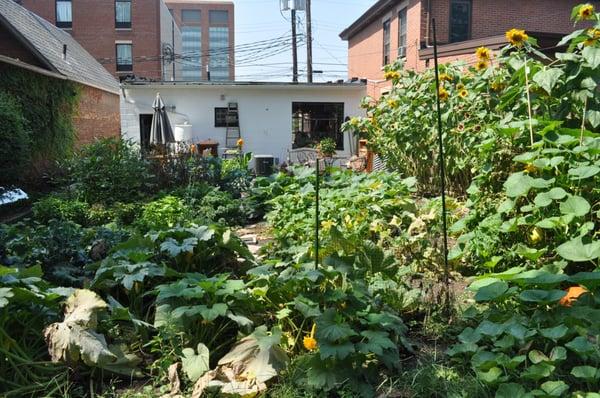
column 15, row 144
column 56, row 208
column 108, row 171
column 164, row 213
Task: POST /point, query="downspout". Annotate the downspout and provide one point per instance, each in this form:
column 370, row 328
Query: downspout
column 427, row 37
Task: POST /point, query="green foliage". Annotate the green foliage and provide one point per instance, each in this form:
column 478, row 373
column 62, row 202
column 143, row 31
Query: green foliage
column 108, row 171
column 57, row 208
column 15, row 152
column 166, row 212
column 48, row 125
column 327, row 147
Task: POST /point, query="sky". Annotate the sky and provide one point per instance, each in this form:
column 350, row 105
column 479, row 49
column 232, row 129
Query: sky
column 262, row 20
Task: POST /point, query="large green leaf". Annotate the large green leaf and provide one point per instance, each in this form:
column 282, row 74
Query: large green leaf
column 583, row 172
column 547, row 78
column 580, row 345
column 376, row 342
column 555, row 388
column 511, row 390
column 195, row 363
column 575, row 205
column 518, row 184
column 539, row 371
column 331, row 327
column 337, row 350
column 591, row 55
column 555, row 333
column 541, row 296
column 576, row 250
column 5, row 294
column 588, row 373
column 492, row 291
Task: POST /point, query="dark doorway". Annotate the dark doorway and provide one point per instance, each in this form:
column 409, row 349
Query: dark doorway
column 145, row 128
column 314, row 121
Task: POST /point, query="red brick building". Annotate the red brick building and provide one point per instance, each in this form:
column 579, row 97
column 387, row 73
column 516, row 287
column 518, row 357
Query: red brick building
column 208, row 38
column 129, row 37
column 393, row 29
column 32, row 44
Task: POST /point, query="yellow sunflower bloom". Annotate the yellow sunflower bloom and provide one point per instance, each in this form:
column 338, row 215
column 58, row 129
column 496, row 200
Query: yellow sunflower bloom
column 392, row 103
column 517, row 37
column 481, row 65
column 463, row 94
column 589, row 42
column 484, row 53
column 391, row 75
column 310, row 343
column 444, row 95
column 586, row 11
column 444, row 77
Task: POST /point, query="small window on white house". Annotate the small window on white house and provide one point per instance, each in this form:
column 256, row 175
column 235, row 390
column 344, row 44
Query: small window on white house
column 314, row 121
column 124, row 57
column 64, row 14
column 386, row 41
column 402, row 28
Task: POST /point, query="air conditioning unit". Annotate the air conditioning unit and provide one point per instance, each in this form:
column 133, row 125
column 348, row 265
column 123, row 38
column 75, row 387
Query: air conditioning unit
column 402, row 52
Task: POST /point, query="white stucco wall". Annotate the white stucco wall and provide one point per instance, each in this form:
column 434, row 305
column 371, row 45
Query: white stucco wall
column 265, row 111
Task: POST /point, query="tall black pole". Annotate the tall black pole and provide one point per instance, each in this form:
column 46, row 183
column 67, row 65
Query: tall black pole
column 309, row 58
column 442, row 166
column 294, row 46
column 317, row 216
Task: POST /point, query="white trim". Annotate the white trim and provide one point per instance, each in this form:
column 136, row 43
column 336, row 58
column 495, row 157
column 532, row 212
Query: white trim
column 123, row 42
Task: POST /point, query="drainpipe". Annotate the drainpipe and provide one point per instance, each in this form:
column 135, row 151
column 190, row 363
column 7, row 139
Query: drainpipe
column 428, row 22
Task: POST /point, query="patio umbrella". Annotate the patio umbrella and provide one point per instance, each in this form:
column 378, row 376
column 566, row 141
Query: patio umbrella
column 161, row 132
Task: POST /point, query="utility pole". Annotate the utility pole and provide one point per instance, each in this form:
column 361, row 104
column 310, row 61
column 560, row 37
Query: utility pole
column 173, row 44
column 309, row 61
column 294, row 46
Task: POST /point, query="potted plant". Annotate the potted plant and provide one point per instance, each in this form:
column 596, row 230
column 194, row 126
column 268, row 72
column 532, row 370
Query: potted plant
column 326, row 148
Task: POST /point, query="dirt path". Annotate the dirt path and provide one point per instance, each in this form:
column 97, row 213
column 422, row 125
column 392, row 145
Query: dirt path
column 255, row 236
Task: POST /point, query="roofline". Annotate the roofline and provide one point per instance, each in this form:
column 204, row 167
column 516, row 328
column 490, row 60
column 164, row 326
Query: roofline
column 27, row 43
column 186, row 84
column 495, row 42
column 366, row 18
column 33, row 68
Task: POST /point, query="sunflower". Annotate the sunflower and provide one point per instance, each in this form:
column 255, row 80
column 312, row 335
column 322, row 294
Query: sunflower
column 460, row 86
column 444, row 77
column 573, row 293
column 517, row 37
column 484, row 53
column 310, row 343
column 463, row 93
column 497, row 86
column 392, row 103
column 589, row 42
column 240, row 142
column 444, row 95
column 586, row 11
column 481, row 65
column 391, row 75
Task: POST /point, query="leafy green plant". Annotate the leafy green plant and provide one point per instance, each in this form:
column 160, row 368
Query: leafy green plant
column 15, row 152
column 166, row 212
column 57, row 208
column 327, row 147
column 109, row 170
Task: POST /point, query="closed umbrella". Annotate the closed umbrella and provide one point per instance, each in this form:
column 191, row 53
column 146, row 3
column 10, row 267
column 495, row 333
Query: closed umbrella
column 161, row 132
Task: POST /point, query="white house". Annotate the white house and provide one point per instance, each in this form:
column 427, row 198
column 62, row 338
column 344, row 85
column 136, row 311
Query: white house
column 273, row 117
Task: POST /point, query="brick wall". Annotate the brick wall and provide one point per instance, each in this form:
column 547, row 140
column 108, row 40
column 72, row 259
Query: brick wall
column 178, row 5
column 489, row 18
column 94, row 28
column 98, row 115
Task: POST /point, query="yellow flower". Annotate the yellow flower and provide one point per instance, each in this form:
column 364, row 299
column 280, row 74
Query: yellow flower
column 392, row 103
column 481, row 65
column 586, row 11
column 589, row 42
column 444, row 95
column 310, row 343
column 460, row 86
column 463, row 93
column 391, row 75
column 484, row 53
column 444, row 77
column 497, row 86
column 530, row 168
column 327, row 225
column 536, row 235
column 573, row 293
column 517, row 37
column 240, row 143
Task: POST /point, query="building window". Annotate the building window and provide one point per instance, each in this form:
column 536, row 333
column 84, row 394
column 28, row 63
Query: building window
column 218, row 42
column 191, row 67
column 402, row 27
column 460, row 20
column 64, row 14
column 221, row 118
column 386, row 42
column 123, row 14
column 314, row 121
column 124, row 57
column 191, row 16
column 218, row 17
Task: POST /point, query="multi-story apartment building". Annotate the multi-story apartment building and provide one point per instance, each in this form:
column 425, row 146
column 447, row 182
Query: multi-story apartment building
column 393, row 29
column 208, row 36
column 129, row 37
